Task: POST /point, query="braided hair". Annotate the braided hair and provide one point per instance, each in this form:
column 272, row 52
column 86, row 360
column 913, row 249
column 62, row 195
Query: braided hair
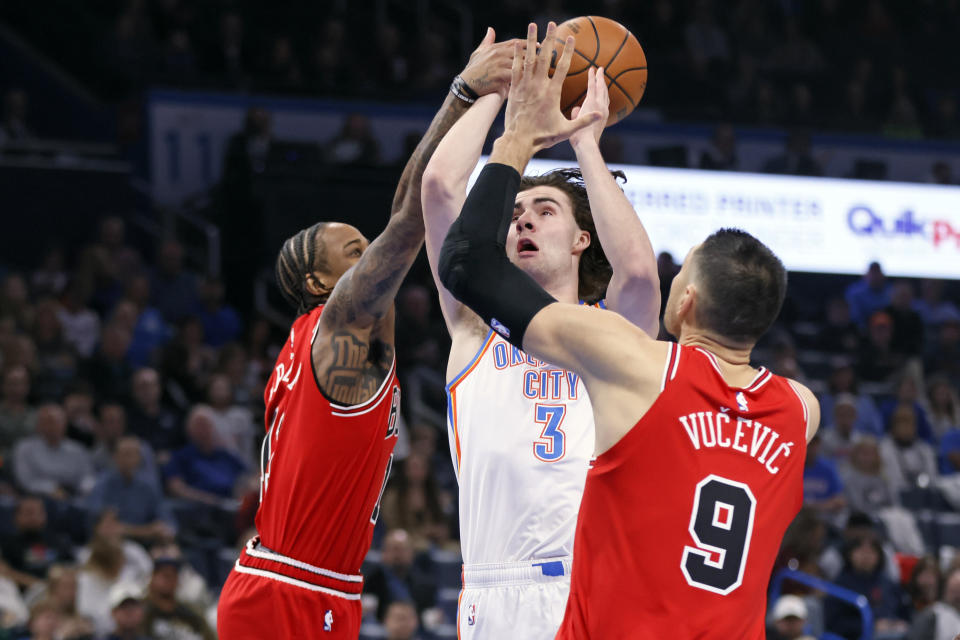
column 301, row 254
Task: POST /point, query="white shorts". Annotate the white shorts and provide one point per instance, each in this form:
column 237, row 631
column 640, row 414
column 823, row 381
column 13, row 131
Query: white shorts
column 522, row 600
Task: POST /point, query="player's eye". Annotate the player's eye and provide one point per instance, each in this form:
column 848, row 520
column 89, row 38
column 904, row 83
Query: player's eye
column 356, row 253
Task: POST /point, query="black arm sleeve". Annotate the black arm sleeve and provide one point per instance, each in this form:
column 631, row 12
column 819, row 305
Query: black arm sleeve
column 473, row 263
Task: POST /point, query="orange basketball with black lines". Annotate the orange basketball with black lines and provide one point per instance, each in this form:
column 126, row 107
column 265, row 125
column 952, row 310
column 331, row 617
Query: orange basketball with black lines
column 602, row 42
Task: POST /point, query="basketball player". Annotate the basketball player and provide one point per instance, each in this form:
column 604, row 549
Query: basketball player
column 331, row 407
column 521, row 430
column 700, row 456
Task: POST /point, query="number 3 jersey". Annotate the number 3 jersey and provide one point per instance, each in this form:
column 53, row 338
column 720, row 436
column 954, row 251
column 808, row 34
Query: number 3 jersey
column 521, row 437
column 324, row 464
column 681, row 520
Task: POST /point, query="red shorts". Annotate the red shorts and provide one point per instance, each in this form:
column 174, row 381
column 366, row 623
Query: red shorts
column 269, row 598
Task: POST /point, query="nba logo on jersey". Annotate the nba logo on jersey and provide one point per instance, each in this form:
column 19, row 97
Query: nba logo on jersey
column 742, row 401
column 328, row 620
column 499, row 328
column 472, row 616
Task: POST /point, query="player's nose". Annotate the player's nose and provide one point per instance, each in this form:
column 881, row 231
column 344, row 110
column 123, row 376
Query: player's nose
column 525, row 221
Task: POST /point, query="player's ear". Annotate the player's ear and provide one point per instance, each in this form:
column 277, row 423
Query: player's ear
column 316, row 285
column 581, row 242
column 687, row 303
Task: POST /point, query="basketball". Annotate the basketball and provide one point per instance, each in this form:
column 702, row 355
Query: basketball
column 602, row 42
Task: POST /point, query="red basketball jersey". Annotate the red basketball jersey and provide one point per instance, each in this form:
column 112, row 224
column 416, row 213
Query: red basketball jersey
column 323, row 465
column 681, row 520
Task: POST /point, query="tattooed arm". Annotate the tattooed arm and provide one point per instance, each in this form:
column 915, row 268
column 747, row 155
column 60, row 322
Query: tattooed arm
column 353, row 351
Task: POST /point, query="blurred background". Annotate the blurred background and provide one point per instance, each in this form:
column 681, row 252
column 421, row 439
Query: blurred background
column 155, row 153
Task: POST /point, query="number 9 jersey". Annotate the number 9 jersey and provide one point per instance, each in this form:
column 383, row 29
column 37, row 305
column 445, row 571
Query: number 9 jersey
column 681, row 520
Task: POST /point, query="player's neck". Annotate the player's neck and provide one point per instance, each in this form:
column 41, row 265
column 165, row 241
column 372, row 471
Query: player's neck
column 563, row 289
column 730, row 355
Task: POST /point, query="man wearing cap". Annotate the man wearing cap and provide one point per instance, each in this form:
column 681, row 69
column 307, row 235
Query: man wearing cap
column 788, row 619
column 126, row 605
column 166, row 617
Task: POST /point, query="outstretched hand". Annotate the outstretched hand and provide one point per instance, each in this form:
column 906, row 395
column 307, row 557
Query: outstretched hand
column 598, row 99
column 533, row 106
column 489, row 68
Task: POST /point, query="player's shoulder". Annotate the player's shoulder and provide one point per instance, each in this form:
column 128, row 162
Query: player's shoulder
column 810, row 404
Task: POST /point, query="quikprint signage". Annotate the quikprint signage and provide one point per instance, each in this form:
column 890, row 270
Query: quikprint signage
column 814, row 224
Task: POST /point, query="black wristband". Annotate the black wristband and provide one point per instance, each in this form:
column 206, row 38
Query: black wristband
column 462, row 90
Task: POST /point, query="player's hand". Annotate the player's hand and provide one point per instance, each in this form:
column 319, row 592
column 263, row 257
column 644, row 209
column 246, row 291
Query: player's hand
column 598, row 99
column 533, row 107
column 488, row 70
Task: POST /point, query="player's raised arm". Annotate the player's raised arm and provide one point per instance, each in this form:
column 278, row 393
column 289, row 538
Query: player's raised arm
column 445, row 189
column 365, row 293
column 634, row 289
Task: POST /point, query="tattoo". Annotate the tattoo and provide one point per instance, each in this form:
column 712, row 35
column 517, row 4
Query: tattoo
column 356, row 368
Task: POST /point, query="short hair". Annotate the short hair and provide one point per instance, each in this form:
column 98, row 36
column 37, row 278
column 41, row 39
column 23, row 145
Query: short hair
column 301, row 254
column 743, row 285
column 595, row 271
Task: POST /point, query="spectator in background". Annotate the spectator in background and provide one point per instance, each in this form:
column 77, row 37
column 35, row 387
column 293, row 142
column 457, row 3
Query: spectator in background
column 420, row 334
column 104, row 264
column 221, row 322
column 908, row 461
column 166, row 617
column 877, row 361
column 943, row 352
column 233, row 423
column 110, row 429
column 942, row 619
column 863, row 573
column 187, row 363
column 950, row 452
column 127, row 611
column 148, row 330
column 14, row 127
column 402, row 576
column 721, row 153
column 13, row 610
column 707, row 45
column 839, row 437
column 17, row 417
column 944, row 404
column 400, row 622
column 60, row 589
column 138, row 505
column 178, row 62
column 667, row 269
column 56, row 359
column 796, row 159
column 945, row 123
column 907, row 323
column 389, row 66
column 868, row 295
column 108, row 369
column 941, row 173
column 202, row 471
column 788, row 619
column 78, row 405
column 15, row 301
column 412, row 502
column 283, row 70
column 51, row 277
column 908, row 395
column 80, row 324
column 107, row 561
column 329, row 73
column 191, row 591
column 355, row 144
column 869, row 491
column 33, row 546
column 173, row 289
column 47, row 463
column 822, row 487
column 149, row 419
column 232, row 59
column 839, row 334
column 923, row 586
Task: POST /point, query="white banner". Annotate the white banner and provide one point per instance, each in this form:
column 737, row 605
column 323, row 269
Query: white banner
column 813, row 224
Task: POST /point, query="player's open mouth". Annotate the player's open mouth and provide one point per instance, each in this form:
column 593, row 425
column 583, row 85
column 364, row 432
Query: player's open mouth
column 526, row 245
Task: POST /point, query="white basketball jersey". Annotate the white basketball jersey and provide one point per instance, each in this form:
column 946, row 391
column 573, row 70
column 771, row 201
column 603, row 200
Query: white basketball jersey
column 521, row 438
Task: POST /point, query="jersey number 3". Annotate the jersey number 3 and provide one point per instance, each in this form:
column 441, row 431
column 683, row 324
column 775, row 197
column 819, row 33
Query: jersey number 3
column 551, row 445
column 721, row 525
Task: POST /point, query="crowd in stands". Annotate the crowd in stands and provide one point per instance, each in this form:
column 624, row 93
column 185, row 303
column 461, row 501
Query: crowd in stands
column 877, row 66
